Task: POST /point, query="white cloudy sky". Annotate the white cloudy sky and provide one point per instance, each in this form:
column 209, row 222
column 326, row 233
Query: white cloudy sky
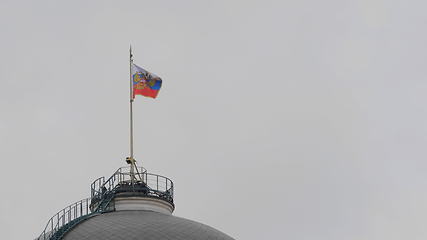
column 277, row 119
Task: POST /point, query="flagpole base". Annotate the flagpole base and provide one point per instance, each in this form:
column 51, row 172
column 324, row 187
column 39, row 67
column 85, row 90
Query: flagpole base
column 130, row 160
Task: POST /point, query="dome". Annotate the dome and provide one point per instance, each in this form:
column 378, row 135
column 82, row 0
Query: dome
column 127, row 206
column 142, row 225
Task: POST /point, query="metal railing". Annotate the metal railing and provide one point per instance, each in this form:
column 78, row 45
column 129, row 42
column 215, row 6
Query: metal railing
column 64, row 217
column 142, row 183
column 102, row 193
column 122, row 174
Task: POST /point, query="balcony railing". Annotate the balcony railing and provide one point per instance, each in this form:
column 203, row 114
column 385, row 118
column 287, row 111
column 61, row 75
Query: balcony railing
column 142, row 183
column 102, row 193
column 64, row 217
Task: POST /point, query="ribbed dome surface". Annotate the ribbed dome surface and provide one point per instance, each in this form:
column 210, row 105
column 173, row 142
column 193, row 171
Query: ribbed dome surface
column 142, row 225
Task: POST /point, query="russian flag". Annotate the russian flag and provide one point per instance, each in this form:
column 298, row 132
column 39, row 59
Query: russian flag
column 145, row 83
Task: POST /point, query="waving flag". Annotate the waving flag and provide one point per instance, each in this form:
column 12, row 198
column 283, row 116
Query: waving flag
column 144, row 82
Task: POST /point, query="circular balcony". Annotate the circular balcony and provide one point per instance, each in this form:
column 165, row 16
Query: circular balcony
column 122, row 190
column 123, row 184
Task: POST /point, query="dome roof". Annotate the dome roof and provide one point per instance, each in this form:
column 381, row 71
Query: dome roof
column 142, row 225
column 128, row 208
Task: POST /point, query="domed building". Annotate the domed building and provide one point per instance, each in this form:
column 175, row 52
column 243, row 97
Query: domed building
column 132, row 204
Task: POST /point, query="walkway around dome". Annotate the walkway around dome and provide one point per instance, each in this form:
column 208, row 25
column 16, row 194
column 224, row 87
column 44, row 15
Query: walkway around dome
column 122, row 183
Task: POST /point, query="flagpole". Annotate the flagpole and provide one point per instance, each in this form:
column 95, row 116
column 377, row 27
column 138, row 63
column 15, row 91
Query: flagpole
column 132, row 161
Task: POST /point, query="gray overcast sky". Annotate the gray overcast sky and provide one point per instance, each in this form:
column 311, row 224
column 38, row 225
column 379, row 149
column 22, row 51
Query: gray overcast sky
column 277, row 119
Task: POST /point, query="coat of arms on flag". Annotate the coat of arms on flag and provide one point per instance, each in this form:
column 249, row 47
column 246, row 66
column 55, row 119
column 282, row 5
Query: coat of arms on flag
column 144, row 82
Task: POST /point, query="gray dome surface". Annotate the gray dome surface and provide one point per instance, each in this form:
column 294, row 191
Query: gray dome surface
column 142, row 225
